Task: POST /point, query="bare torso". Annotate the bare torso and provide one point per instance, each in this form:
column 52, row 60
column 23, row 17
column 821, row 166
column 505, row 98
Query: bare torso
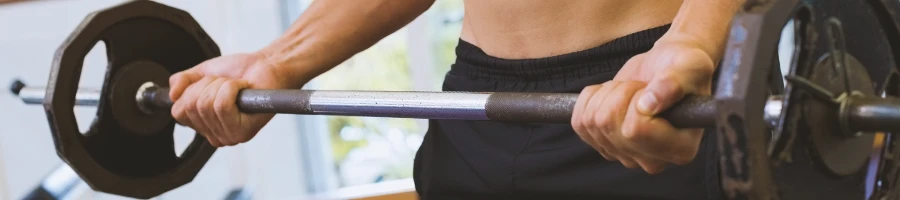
column 520, row 29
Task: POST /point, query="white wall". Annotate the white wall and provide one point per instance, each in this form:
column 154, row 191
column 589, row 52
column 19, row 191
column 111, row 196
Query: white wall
column 29, row 35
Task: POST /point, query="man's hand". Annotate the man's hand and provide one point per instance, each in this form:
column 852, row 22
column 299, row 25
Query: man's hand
column 618, row 117
column 204, row 97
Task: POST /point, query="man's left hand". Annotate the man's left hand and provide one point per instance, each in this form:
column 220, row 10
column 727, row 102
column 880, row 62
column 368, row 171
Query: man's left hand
column 618, row 118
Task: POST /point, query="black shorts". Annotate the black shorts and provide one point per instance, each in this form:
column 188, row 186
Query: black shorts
column 497, row 160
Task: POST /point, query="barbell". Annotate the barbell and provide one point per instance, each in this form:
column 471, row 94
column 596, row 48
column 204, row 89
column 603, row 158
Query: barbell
column 149, row 98
column 863, row 113
column 840, row 95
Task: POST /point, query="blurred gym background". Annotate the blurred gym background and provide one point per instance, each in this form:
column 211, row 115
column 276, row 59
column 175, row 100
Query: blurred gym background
column 294, row 157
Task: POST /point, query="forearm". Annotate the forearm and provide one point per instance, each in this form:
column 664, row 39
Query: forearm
column 706, row 23
column 331, row 31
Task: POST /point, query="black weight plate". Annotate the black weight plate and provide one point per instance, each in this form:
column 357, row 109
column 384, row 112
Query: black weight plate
column 109, row 157
column 747, row 172
column 741, row 93
column 813, row 162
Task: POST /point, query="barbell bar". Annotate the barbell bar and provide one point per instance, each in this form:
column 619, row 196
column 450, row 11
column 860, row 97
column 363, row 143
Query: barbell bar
column 862, row 113
column 693, row 111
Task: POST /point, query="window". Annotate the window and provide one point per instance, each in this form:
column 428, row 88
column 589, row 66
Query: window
column 448, row 14
column 366, row 150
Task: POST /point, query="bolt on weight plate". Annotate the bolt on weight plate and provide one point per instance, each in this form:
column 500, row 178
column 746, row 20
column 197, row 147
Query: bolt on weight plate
column 124, row 153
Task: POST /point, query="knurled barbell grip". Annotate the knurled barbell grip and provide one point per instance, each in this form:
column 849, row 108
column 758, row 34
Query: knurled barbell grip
column 690, row 112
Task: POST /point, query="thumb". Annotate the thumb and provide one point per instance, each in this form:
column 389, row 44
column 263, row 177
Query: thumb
column 659, row 95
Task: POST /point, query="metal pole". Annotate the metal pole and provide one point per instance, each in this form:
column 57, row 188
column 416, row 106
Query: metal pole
column 84, row 97
column 691, row 112
column 873, row 114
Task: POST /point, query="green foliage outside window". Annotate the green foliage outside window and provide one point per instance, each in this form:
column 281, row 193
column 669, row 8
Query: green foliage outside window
column 385, row 67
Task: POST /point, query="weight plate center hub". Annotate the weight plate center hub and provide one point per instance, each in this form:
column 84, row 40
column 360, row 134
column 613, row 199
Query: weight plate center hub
column 839, row 152
column 124, row 98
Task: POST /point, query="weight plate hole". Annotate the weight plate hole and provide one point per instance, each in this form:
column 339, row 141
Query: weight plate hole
column 93, row 72
column 786, row 49
column 183, row 137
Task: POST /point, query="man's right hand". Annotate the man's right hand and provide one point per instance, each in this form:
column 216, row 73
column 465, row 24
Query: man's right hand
column 204, row 97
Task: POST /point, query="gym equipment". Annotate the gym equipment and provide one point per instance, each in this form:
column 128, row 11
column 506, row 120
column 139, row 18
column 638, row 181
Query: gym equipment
column 842, row 81
column 59, row 184
column 127, row 153
column 149, row 98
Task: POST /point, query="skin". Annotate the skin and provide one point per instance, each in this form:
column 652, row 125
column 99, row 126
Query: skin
column 615, row 117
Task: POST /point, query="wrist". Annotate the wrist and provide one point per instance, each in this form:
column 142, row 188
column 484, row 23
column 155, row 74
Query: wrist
column 290, row 76
column 704, row 24
column 710, row 46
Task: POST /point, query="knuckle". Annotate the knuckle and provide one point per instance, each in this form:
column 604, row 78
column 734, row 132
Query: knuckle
column 633, row 133
column 633, row 85
column 602, row 120
column 202, row 106
column 189, row 105
column 579, row 124
column 586, row 122
column 178, row 111
column 590, row 89
column 603, row 123
column 221, row 102
column 668, row 78
column 231, row 85
column 576, row 124
column 176, row 77
column 180, row 114
column 182, row 118
column 221, row 107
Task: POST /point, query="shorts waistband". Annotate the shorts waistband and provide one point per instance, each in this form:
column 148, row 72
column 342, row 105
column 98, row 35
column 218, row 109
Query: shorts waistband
column 473, row 62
